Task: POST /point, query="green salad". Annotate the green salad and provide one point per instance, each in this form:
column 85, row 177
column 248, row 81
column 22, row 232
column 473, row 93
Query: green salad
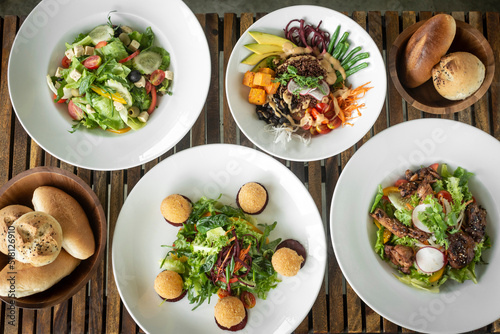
column 111, row 77
column 430, row 227
column 219, row 247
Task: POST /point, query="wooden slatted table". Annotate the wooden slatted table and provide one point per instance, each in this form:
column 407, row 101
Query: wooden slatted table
column 97, row 308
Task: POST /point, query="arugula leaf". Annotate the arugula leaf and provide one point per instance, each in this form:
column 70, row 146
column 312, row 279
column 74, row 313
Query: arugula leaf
column 147, row 39
column 86, row 82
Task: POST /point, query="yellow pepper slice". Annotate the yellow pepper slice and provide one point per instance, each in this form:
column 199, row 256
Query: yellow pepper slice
column 389, row 190
column 437, row 275
column 114, row 96
column 118, row 131
column 387, row 233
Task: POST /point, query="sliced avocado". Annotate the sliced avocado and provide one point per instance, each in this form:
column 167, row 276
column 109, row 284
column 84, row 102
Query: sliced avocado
column 263, row 48
column 254, row 58
column 265, row 38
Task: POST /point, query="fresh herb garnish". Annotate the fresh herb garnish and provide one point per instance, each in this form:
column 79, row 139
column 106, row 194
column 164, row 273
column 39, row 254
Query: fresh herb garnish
column 300, row 80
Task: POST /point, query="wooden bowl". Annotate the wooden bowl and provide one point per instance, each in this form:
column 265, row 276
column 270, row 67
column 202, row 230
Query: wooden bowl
column 425, row 97
column 19, row 190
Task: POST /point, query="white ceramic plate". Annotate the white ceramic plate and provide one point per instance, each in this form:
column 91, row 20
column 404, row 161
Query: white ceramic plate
column 382, row 160
column 39, row 48
column 141, row 230
column 322, row 146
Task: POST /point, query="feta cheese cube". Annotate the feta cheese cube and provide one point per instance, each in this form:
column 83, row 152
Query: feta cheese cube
column 169, row 75
column 57, row 84
column 118, row 105
column 134, row 45
column 75, row 75
column 140, row 83
column 89, row 109
column 89, row 50
column 69, row 54
column 126, row 29
column 78, row 50
column 58, row 72
column 143, row 116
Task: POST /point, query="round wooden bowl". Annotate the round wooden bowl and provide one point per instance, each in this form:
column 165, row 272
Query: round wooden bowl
column 425, row 97
column 19, row 190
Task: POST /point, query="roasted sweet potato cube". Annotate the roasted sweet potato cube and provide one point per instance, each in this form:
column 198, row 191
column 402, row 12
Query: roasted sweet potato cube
column 267, row 70
column 272, row 88
column 248, row 79
column 257, row 96
column 262, row 79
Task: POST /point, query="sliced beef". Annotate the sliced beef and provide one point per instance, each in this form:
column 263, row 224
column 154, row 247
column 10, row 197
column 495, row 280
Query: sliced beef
column 424, row 189
column 407, row 189
column 401, row 256
column 460, row 250
column 397, row 228
column 422, row 174
column 475, row 221
column 419, row 182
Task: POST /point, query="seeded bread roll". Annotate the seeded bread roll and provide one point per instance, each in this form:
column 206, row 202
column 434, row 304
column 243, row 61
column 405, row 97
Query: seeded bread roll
column 458, row 75
column 426, row 47
column 19, row 279
column 78, row 238
column 9, row 215
column 37, row 238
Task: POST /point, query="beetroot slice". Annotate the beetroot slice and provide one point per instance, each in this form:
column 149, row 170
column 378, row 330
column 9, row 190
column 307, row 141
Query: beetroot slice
column 173, row 300
column 178, row 224
column 296, row 246
column 236, row 327
column 263, row 207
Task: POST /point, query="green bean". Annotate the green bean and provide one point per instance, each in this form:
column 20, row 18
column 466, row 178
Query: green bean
column 350, row 72
column 333, row 40
column 337, row 50
column 344, row 37
column 354, row 60
column 344, row 50
column 349, row 56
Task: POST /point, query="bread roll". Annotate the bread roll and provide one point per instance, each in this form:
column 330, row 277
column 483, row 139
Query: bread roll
column 19, row 279
column 78, row 239
column 426, row 47
column 8, row 215
column 458, row 75
column 37, row 238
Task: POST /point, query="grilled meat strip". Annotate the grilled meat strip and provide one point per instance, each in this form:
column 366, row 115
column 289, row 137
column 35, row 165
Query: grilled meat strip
column 401, row 256
column 397, row 227
column 475, row 222
column 419, row 182
column 460, row 250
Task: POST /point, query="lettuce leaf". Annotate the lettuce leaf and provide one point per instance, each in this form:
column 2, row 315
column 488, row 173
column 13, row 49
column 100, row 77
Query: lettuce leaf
column 115, row 50
column 165, row 63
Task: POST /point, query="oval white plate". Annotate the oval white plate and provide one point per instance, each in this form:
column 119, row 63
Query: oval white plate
column 322, row 146
column 39, row 48
column 141, row 230
column 382, row 160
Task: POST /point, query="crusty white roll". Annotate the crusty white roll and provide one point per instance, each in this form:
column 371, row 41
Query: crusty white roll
column 458, row 75
column 37, row 238
column 78, row 239
column 9, row 215
column 425, row 48
column 19, row 279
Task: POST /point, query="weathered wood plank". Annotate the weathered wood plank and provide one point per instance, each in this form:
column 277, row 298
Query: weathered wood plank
column 410, row 18
column 28, row 322
column 246, row 21
column 213, row 118
column 198, row 131
column 60, row 318
column 43, row 320
column 396, row 115
column 493, row 35
column 231, row 34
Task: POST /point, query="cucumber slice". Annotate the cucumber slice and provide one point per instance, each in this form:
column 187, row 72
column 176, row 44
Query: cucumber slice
column 101, row 33
column 398, row 201
column 120, row 90
column 146, row 62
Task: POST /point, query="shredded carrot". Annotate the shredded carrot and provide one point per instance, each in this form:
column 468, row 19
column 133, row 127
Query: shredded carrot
column 232, row 228
column 349, row 107
column 409, row 206
column 243, row 252
column 222, row 264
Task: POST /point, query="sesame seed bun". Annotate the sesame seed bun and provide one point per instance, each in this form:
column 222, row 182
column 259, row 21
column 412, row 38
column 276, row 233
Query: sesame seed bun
column 8, row 216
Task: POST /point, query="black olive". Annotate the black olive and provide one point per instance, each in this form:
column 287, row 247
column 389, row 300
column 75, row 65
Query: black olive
column 118, row 31
column 134, row 76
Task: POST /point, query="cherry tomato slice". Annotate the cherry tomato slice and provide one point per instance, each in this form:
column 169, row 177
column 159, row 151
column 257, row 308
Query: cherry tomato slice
column 222, row 293
column 124, row 60
column 231, row 280
column 322, row 107
column 74, row 111
column 446, row 195
column 92, row 62
column 101, row 44
column 335, row 123
column 314, row 113
column 157, row 77
column 153, row 100
column 400, row 182
column 434, row 166
column 148, row 87
column 65, row 62
column 248, row 299
column 60, row 101
column 323, row 128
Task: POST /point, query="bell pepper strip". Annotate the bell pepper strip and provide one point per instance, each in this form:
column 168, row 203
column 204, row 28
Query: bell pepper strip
column 114, row 96
column 124, row 60
column 389, row 190
column 127, row 129
column 436, row 275
column 152, row 106
column 60, row 100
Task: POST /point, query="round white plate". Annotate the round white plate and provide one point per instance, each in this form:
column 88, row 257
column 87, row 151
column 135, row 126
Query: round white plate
column 383, row 160
column 141, row 230
column 322, row 146
column 39, row 48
